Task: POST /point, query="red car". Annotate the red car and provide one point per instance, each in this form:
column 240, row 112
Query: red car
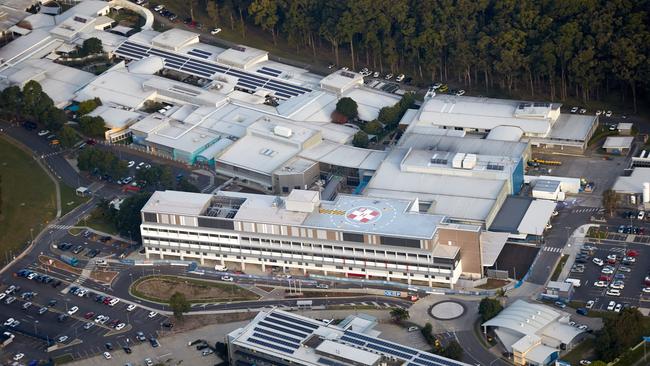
column 605, row 278
column 632, row 253
column 89, row 315
column 107, row 300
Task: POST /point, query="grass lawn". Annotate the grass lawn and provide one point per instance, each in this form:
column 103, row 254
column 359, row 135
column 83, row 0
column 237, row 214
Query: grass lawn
column 98, row 221
column 69, row 199
column 159, row 288
column 28, row 199
column 581, row 352
column 558, row 268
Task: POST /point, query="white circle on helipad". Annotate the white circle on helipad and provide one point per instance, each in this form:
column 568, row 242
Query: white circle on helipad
column 447, row 310
column 363, row 215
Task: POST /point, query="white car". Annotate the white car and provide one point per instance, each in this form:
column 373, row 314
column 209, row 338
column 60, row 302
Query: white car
column 549, row 226
column 19, row 356
column 641, row 215
column 152, row 314
column 599, row 112
column 375, row 74
column 2, row 295
column 582, row 111
column 88, row 325
column 43, row 132
column 215, row 31
column 107, row 355
column 148, row 362
column 585, row 362
column 12, row 288
column 599, row 262
column 608, row 114
column 607, row 271
column 140, row 165
column 611, row 257
column 159, row 8
column 624, row 269
column 131, row 307
column 31, row 276
column 227, row 279
column 600, row 284
column 8, row 322
column 629, row 259
column 120, row 326
column 617, row 285
column 574, row 110
column 62, row 339
column 613, row 292
column 73, row 310
column 460, row 93
column 130, row 164
column 99, row 318
column 618, row 308
column 611, row 305
column 388, row 76
column 399, row 78
column 590, row 304
column 583, row 327
column 646, row 290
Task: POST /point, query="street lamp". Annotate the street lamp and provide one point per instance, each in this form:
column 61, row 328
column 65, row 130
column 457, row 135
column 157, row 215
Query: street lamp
column 35, row 329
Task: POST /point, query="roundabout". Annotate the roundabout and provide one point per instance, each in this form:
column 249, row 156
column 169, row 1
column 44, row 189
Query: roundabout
column 447, row 310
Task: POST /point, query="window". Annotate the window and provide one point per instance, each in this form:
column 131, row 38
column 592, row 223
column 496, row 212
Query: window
column 285, row 189
column 150, row 217
column 399, row 242
column 358, row 238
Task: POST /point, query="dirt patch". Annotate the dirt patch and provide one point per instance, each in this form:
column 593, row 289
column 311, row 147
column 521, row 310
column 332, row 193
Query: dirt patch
column 190, row 322
column 493, row 283
column 106, row 277
column 159, row 288
column 55, row 263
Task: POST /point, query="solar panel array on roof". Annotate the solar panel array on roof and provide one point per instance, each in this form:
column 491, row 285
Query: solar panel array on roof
column 269, row 71
column 199, row 53
column 207, row 69
column 328, row 362
column 270, row 345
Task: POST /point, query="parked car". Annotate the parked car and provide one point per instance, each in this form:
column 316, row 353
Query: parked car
column 215, row 31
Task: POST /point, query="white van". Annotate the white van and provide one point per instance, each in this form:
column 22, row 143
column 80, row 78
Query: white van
column 574, row 281
column 113, row 302
column 100, row 262
column 220, row 268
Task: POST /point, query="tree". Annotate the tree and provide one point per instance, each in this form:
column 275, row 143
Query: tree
column 35, row 103
column 373, row 127
column 619, row 333
column 360, row 139
column 453, row 350
column 11, row 100
column 128, row 219
column 265, row 14
column 610, row 201
column 88, row 106
column 347, row 107
column 53, row 118
column 91, row 46
column 399, row 314
column 489, row 308
column 68, row 137
column 179, row 304
column 185, row 186
column 92, row 126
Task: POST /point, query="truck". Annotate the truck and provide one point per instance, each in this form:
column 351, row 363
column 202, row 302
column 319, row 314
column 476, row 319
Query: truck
column 574, row 281
column 69, row 260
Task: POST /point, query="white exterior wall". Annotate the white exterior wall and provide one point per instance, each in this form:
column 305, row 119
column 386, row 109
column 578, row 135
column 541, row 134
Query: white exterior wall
column 307, row 260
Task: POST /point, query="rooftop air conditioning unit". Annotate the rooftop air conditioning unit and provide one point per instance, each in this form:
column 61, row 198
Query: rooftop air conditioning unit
column 282, row 131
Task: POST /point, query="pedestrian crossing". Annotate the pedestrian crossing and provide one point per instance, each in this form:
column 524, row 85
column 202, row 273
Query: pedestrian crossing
column 552, row 249
column 618, row 250
column 587, row 210
column 61, row 227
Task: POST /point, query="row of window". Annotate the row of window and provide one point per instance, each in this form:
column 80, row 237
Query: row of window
column 240, row 249
column 226, row 257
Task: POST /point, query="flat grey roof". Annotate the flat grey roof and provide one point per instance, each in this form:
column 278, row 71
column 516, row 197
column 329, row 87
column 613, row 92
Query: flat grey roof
column 633, row 183
column 511, row 213
column 546, row 185
column 511, row 149
column 572, row 127
column 618, row 142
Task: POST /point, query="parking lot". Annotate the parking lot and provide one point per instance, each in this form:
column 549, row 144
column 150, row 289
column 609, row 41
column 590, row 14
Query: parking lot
column 631, row 275
column 87, row 245
column 36, row 330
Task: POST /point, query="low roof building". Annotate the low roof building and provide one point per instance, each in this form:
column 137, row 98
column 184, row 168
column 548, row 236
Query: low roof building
column 618, row 143
column 341, row 80
column 243, row 57
column 174, row 39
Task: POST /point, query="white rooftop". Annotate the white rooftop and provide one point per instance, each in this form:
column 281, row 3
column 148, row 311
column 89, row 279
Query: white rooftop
column 487, row 113
column 177, row 203
column 175, row 39
column 344, row 155
column 634, row 182
column 536, row 217
column 115, row 117
column 618, row 142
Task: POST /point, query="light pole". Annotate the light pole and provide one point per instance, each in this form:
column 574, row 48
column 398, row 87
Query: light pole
column 35, row 329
